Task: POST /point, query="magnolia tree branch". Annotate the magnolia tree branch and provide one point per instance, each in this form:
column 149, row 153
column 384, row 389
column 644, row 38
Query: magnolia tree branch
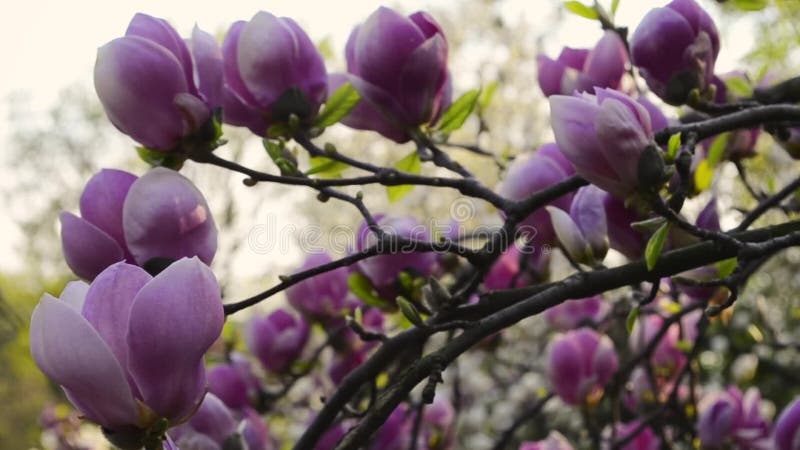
column 521, row 306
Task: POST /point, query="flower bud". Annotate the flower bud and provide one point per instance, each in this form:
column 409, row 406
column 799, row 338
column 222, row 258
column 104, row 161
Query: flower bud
column 787, row 427
column 667, row 358
column 675, row 48
column 124, row 367
column 146, row 82
column 322, row 297
column 166, row 216
column 554, row 441
column 257, row 93
column 277, row 340
column 529, row 174
column 604, row 136
column 399, row 66
column 583, row 232
column 575, row 313
column 226, row 382
column 160, row 215
column 579, row 364
column 579, row 70
column 213, row 419
column 728, row 418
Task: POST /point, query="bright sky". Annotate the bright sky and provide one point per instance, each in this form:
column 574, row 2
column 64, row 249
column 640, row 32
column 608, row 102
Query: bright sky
column 49, row 44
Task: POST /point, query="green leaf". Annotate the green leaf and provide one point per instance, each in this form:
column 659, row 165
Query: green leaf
column 614, row 6
column 410, row 164
column 410, row 312
column 155, row 158
column 717, row 149
column 325, row 167
column 750, row 5
column 486, row 95
column 739, row 86
column 338, row 105
column 726, row 267
column 278, row 130
column 631, row 320
column 281, row 156
column 684, row 345
column 673, row 146
column 362, row 287
column 653, row 250
column 703, row 175
column 648, row 225
column 582, row 10
column 455, row 116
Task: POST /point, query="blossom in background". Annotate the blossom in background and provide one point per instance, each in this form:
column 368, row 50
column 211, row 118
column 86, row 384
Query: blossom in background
column 579, row 364
column 583, row 232
column 730, row 419
column 277, row 340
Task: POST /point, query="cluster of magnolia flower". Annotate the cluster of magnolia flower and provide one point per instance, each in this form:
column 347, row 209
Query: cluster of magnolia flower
column 128, row 348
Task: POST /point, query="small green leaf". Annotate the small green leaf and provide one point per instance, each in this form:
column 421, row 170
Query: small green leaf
column 338, row 105
column 410, row 312
column 653, row 250
column 362, row 287
column 455, row 116
column 673, row 146
column 726, row 267
column 486, row 95
column 648, row 225
column 281, row 156
column 614, row 6
column 703, row 175
column 410, row 164
column 582, row 10
column 750, row 5
column 739, row 86
column 155, row 158
column 684, row 345
column 326, row 168
column 631, row 320
column 278, row 130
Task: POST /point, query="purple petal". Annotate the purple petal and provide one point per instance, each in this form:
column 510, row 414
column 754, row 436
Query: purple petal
column 174, row 320
column 365, row 116
column 787, row 427
column 708, row 217
column 269, row 57
column 238, row 113
column 74, row 294
column 230, row 68
column 161, row 32
column 426, row 23
column 382, row 102
column 102, row 199
column 589, row 214
column 214, row 419
column 382, row 46
column 606, row 62
column 226, row 382
column 565, row 369
column 208, row 66
column 71, row 353
column 166, row 216
column 568, row 234
column 350, row 51
column 574, row 58
column 422, row 79
column 622, row 139
column 87, row 249
column 550, row 74
column 137, row 81
column 108, row 305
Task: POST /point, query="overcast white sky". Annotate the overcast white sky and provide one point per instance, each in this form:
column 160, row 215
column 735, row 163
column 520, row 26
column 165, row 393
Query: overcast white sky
column 49, row 44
